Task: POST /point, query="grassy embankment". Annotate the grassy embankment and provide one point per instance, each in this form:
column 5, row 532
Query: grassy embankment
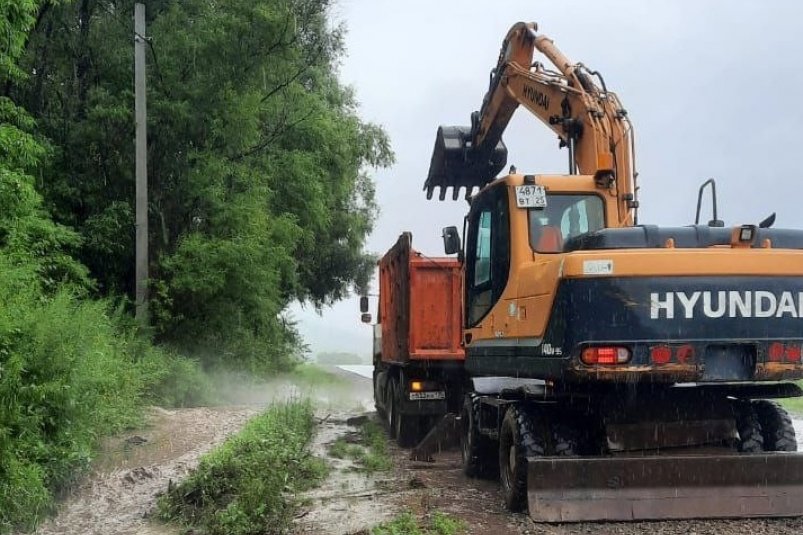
column 249, row 485
column 406, row 524
column 71, row 372
column 368, row 448
column 794, row 405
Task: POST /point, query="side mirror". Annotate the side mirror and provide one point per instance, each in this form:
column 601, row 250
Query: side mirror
column 451, row 240
column 364, row 305
column 366, row 318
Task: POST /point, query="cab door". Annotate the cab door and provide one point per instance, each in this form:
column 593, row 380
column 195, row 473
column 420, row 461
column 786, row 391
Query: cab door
column 487, row 254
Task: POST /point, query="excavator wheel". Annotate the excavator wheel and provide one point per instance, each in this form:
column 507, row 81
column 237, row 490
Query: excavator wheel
column 478, row 451
column 776, row 426
column 521, row 436
column 751, row 439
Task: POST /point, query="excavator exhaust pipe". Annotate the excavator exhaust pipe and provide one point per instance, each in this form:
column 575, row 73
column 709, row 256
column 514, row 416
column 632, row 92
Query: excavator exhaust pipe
column 455, row 164
column 665, row 487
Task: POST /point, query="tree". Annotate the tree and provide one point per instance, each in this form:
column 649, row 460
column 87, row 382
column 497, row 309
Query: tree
column 27, row 234
column 257, row 156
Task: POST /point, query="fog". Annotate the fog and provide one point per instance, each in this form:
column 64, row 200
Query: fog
column 711, row 87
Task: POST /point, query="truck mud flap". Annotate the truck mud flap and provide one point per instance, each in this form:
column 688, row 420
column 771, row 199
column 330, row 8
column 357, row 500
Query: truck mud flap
column 665, row 487
column 444, row 435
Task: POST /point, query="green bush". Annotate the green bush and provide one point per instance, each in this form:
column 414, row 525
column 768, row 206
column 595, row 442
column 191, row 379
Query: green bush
column 69, row 374
column 172, row 380
column 247, row 486
column 65, row 379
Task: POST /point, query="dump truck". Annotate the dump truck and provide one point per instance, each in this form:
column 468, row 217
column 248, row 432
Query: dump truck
column 418, row 355
column 612, row 370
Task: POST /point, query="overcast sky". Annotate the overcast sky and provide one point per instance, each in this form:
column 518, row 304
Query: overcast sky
column 714, row 89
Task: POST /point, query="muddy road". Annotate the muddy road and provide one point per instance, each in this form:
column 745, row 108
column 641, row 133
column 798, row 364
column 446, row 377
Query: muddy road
column 351, row 503
column 120, row 493
column 119, row 496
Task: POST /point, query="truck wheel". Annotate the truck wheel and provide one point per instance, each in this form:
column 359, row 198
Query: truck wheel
column 749, row 428
column 519, row 438
column 381, row 408
column 405, row 428
column 479, row 455
column 776, row 426
column 391, row 406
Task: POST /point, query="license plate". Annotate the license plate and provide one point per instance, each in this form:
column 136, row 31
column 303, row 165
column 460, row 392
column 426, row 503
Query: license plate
column 530, row 196
column 427, row 396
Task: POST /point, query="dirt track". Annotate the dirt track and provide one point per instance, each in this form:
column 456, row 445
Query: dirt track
column 120, row 494
column 441, row 486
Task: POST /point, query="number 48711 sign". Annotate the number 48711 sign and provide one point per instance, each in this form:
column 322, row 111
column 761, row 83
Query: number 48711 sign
column 530, row 196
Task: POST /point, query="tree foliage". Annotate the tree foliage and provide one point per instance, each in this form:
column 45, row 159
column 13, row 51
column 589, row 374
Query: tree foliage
column 257, row 161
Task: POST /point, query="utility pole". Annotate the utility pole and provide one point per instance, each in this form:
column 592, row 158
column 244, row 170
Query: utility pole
column 140, row 112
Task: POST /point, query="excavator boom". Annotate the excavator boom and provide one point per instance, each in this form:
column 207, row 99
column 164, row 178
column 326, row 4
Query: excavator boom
column 589, row 120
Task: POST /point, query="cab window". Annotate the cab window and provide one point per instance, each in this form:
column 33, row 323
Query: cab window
column 564, row 217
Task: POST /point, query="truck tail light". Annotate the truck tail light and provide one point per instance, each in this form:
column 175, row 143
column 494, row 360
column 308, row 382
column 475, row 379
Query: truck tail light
column 605, row 355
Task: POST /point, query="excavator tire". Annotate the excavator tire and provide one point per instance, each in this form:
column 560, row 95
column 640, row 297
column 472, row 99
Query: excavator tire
column 776, row 426
column 479, row 454
column 521, row 436
column 751, row 439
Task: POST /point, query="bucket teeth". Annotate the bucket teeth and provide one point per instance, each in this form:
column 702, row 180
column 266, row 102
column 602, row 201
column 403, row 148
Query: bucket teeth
column 455, row 164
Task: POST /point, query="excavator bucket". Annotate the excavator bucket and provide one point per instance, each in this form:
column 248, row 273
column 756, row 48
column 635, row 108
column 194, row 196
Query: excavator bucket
column 665, row 487
column 455, row 164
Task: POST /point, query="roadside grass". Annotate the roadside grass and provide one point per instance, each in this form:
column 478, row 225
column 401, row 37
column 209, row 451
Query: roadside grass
column 249, row 484
column 370, row 454
column 794, row 405
column 437, row 524
column 312, row 375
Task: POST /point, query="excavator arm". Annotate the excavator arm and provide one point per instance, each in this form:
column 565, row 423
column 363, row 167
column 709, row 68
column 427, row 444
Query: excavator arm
column 589, row 120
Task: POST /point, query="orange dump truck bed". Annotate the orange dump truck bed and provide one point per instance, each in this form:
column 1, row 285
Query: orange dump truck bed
column 419, row 305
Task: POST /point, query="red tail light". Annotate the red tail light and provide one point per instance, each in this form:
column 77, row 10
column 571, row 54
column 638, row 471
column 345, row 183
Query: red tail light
column 605, row 355
column 685, row 354
column 780, row 352
column 776, row 352
column 660, row 354
column 792, row 353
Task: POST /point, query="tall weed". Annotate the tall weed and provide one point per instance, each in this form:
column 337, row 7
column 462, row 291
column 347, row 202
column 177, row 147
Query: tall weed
column 247, row 486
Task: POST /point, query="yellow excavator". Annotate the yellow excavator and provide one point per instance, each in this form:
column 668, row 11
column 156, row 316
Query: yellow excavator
column 614, row 370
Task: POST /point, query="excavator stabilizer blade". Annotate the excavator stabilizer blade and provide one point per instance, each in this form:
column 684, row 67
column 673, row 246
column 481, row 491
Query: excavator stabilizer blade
column 665, row 487
column 455, row 164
